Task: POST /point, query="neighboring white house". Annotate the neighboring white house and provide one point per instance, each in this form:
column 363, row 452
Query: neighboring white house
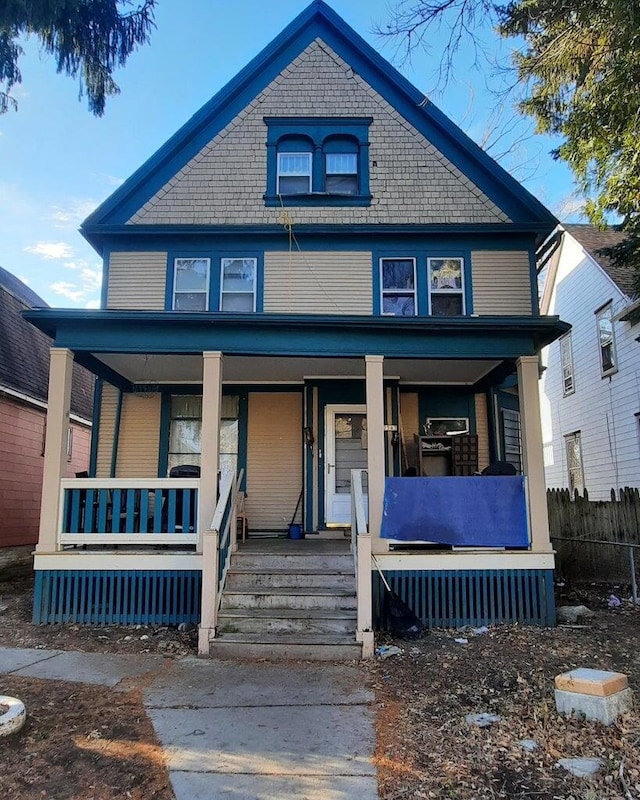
column 590, row 386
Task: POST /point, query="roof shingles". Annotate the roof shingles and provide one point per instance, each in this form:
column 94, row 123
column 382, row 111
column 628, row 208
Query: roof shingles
column 593, row 240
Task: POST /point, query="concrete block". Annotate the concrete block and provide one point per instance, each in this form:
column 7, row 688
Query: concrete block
column 597, row 682
column 593, row 707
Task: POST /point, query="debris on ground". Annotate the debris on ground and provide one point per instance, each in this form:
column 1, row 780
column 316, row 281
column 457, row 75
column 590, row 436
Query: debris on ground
column 479, row 631
column 572, row 614
column 528, row 744
column 461, row 640
column 386, row 651
column 614, row 601
column 581, row 767
column 482, row 720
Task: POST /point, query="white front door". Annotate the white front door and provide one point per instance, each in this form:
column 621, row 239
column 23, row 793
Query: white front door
column 345, row 449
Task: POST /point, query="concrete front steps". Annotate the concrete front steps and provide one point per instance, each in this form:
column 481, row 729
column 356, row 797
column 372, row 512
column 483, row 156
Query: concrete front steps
column 296, row 603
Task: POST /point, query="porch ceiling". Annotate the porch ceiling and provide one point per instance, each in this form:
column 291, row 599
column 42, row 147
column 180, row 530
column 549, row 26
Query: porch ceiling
column 138, row 368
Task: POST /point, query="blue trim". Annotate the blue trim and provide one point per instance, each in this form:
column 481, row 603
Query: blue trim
column 317, row 200
column 165, row 427
column 243, row 422
column 116, row 436
column 460, row 598
column 95, row 428
column 318, row 20
column 99, row 368
column 533, row 272
column 215, row 256
column 492, row 337
column 310, row 489
column 104, row 290
column 117, row 597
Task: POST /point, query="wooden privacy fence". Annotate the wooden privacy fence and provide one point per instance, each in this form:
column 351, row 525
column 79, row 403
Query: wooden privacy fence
column 595, row 540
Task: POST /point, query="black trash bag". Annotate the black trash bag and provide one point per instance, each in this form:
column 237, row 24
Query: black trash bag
column 401, row 620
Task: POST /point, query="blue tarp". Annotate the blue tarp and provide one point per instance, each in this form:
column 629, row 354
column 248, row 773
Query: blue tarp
column 476, row 511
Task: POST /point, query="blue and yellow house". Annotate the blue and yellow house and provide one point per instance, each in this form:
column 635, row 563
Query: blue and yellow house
column 318, row 277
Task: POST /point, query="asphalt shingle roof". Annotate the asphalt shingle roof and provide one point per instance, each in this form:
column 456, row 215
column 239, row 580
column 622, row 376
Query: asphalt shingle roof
column 593, row 240
column 24, row 350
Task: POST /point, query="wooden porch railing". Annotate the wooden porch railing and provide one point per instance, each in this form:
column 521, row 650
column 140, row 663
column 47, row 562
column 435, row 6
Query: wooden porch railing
column 219, row 542
column 361, row 547
column 141, row 511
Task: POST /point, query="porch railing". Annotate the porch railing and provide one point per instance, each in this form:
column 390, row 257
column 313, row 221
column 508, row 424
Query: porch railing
column 361, row 547
column 219, row 542
column 140, row 511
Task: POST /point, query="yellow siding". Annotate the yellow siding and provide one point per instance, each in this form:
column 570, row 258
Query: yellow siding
column 106, row 431
column 501, row 282
column 318, row 283
column 482, row 429
column 409, row 426
column 139, row 436
column 274, row 459
column 137, row 281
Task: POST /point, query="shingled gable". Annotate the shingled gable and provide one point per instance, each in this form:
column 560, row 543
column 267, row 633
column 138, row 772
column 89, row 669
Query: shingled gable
column 24, row 354
column 457, row 182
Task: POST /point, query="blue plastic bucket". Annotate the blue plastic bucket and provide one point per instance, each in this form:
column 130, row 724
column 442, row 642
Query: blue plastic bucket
column 295, row 531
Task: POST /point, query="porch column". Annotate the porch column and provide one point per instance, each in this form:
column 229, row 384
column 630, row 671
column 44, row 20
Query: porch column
column 374, row 371
column 533, row 463
column 55, row 446
column 210, row 437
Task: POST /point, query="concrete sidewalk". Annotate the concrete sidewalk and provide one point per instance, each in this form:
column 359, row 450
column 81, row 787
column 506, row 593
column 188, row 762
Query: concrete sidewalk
column 241, row 730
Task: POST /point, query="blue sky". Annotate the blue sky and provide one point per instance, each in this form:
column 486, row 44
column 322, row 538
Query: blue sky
column 58, row 162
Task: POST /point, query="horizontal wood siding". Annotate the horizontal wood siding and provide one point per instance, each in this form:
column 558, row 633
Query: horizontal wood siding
column 482, row 429
column 274, row 459
column 318, row 283
column 139, row 437
column 106, row 430
column 137, row 281
column 409, row 427
column 501, row 282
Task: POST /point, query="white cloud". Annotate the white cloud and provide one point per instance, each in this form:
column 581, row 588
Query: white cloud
column 110, row 180
column 69, row 290
column 23, row 279
column 73, row 213
column 92, row 279
column 93, row 304
column 51, row 250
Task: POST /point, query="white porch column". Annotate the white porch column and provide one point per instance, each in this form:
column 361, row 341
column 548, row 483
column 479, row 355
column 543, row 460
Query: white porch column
column 374, row 371
column 533, row 463
column 209, row 460
column 55, row 447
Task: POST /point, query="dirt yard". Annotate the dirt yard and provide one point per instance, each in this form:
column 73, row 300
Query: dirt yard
column 73, row 748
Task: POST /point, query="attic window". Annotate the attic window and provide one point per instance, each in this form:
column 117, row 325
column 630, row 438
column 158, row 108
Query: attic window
column 317, row 161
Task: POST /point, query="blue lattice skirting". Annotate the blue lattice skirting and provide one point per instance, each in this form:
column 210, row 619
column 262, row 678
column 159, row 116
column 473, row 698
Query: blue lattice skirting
column 455, row 598
column 112, row 597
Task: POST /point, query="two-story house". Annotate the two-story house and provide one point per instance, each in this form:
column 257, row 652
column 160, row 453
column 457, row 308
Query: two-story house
column 318, row 276
column 589, row 389
column 24, row 376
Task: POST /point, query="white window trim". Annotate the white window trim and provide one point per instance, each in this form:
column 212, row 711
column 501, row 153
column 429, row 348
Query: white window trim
column 606, row 372
column 397, row 292
column 460, row 291
column 574, row 435
column 564, row 342
column 175, row 272
column 308, row 174
column 254, row 292
column 510, row 451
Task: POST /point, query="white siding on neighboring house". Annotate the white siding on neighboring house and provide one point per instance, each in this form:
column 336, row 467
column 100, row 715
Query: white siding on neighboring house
column 137, row 281
column 602, row 409
column 318, row 283
column 501, row 281
column 274, row 459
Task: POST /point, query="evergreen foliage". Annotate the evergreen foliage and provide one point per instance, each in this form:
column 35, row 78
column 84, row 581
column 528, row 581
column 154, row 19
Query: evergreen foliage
column 88, row 39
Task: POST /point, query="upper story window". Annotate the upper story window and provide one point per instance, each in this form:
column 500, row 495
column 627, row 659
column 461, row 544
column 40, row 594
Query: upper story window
column 238, row 284
column 294, row 166
column 446, row 286
column 317, row 161
column 566, row 359
column 606, row 341
column 398, row 282
column 191, row 284
column 575, row 469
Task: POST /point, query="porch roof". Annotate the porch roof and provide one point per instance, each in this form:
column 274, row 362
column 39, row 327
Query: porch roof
column 99, row 337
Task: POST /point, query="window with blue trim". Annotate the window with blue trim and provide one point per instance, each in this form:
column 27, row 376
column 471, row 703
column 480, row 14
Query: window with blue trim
column 191, row 284
column 446, row 286
column 420, row 284
column 317, row 161
column 214, row 282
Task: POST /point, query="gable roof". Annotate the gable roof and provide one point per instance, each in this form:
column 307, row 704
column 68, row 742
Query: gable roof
column 593, row 240
column 24, row 355
column 318, row 21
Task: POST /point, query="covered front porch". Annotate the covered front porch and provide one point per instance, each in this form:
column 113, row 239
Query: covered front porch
column 274, row 428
